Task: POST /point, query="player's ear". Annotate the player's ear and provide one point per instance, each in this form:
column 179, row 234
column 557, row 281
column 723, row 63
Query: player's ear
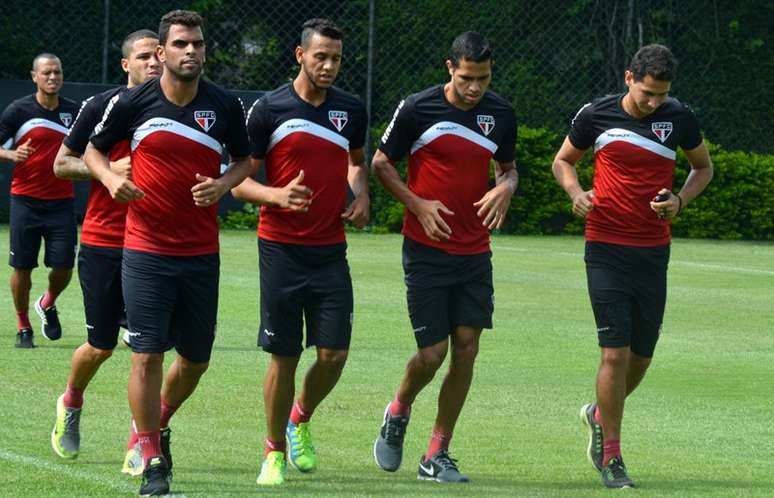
column 125, row 65
column 160, row 53
column 450, row 67
column 628, row 77
column 299, row 53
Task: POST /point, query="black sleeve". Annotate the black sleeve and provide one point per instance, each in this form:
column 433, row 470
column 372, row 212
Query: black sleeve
column 400, row 133
column 259, row 128
column 114, row 125
column 506, row 150
column 581, row 130
column 360, row 135
column 692, row 135
column 236, row 140
column 79, row 133
column 8, row 127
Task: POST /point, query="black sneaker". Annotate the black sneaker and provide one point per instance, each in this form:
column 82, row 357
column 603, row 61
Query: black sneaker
column 155, row 478
column 24, row 339
column 388, row 447
column 614, row 475
column 595, row 450
column 440, row 468
column 52, row 329
column 166, row 435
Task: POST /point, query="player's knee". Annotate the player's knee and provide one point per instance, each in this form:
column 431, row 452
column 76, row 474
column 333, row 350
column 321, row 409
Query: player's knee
column 639, row 362
column 147, row 361
column 465, row 353
column 332, row 360
column 431, row 358
column 191, row 368
column 97, row 355
column 615, row 357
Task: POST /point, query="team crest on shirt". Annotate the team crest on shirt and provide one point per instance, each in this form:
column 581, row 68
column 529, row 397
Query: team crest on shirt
column 486, row 123
column 662, row 130
column 205, row 119
column 66, row 118
column 338, row 118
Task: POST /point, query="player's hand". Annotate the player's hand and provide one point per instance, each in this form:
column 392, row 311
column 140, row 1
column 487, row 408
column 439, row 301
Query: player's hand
column 24, row 151
column 429, row 215
column 208, row 191
column 582, row 203
column 357, row 212
column 295, row 195
column 122, row 167
column 493, row 207
column 667, row 208
column 122, row 189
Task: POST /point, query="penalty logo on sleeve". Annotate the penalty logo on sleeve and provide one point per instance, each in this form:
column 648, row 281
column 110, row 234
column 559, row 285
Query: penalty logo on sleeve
column 662, row 130
column 205, row 119
column 338, row 118
column 486, row 123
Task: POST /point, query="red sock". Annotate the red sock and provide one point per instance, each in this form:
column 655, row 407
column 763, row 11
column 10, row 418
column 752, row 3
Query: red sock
column 398, row 409
column 298, row 415
column 438, row 441
column 23, row 320
column 274, row 446
column 132, row 437
column 612, row 449
column 48, row 300
column 73, row 398
column 167, row 411
column 150, row 443
column 596, row 413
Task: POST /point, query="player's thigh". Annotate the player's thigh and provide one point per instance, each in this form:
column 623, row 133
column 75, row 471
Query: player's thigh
column 99, row 273
column 283, row 291
column 650, row 303
column 26, row 228
column 472, row 299
column 194, row 319
column 150, row 294
column 329, row 307
column 61, row 235
column 611, row 300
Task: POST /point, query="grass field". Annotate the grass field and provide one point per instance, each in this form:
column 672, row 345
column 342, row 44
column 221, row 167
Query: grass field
column 701, row 424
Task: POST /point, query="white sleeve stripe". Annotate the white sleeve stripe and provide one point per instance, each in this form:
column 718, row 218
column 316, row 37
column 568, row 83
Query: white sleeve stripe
column 449, row 128
column 8, row 143
column 302, row 125
column 35, row 123
column 171, row 126
column 621, row 135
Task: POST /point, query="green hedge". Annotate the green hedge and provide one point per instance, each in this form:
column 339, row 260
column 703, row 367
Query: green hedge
column 738, row 204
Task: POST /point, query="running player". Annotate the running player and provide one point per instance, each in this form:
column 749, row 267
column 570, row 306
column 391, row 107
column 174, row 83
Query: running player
column 170, row 266
column 450, row 132
column 635, row 136
column 41, row 204
column 309, row 135
column 102, row 241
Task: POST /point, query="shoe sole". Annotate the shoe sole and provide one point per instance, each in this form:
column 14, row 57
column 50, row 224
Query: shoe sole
column 435, row 479
column 43, row 321
column 376, row 459
column 590, row 430
column 53, row 439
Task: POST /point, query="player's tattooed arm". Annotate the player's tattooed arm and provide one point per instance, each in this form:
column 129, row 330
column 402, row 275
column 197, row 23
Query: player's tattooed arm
column 567, row 178
column 357, row 213
column 68, row 165
column 428, row 212
column 493, row 206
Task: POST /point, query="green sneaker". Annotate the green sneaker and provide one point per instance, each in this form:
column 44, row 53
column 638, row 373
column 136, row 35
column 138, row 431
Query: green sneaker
column 301, row 452
column 66, row 436
column 594, row 451
column 133, row 464
column 614, row 475
column 272, row 469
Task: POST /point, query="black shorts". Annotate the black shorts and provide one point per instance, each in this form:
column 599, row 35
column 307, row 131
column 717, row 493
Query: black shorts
column 171, row 302
column 301, row 284
column 445, row 291
column 627, row 287
column 53, row 221
column 99, row 271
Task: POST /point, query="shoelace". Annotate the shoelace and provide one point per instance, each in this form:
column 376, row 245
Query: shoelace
column 445, row 461
column 394, row 429
column 71, row 422
column 617, row 469
column 303, row 435
column 153, row 472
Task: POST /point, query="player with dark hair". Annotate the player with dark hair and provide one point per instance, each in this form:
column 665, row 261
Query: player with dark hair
column 31, row 131
column 309, row 135
column 628, row 211
column 102, row 241
column 450, row 133
column 170, row 266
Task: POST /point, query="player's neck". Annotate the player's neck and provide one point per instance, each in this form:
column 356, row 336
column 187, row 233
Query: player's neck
column 47, row 101
column 454, row 99
column 629, row 108
column 308, row 92
column 177, row 91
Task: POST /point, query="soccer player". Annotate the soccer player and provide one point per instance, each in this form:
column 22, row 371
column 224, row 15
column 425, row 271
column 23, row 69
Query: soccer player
column 309, row 135
column 102, row 241
column 450, row 133
column 635, row 136
column 170, row 266
column 31, row 130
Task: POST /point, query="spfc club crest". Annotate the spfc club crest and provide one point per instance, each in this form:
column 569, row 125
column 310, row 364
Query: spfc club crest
column 205, row 119
column 662, row 130
column 338, row 118
column 66, row 118
column 486, row 123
